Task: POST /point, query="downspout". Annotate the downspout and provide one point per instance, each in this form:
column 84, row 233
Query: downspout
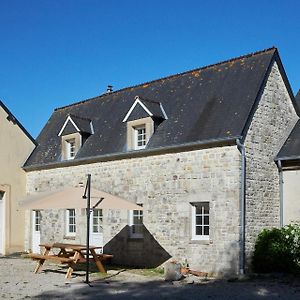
column 279, row 165
column 241, row 148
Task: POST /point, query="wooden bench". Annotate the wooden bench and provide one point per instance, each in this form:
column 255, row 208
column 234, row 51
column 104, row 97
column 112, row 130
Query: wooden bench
column 63, row 260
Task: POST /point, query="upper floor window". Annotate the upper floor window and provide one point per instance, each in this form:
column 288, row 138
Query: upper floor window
column 142, row 119
column 71, row 148
column 200, row 221
column 140, row 137
column 74, row 132
column 70, row 222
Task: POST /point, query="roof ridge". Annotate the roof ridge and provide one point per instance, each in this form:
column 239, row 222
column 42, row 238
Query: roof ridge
column 174, row 75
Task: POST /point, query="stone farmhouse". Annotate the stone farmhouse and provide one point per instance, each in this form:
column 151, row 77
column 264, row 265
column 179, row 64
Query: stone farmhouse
column 197, row 150
column 16, row 145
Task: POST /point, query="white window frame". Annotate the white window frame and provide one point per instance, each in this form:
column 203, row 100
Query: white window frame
column 200, row 237
column 68, row 223
column 97, row 216
column 37, row 220
column 132, row 214
column 137, row 135
column 71, row 148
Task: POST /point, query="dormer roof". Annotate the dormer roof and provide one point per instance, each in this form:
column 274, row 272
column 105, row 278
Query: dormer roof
column 151, row 108
column 76, row 124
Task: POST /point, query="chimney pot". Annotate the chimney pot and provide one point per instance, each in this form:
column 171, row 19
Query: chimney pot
column 109, row 89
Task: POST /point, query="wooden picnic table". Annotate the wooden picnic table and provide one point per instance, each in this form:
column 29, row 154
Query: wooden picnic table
column 70, row 254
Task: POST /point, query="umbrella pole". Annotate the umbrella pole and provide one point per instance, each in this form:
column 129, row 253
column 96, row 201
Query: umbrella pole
column 88, row 212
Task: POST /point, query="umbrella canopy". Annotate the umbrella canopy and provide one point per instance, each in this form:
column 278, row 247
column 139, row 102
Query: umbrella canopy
column 71, row 197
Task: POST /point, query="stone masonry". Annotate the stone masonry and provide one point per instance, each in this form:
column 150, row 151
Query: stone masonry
column 165, row 184
column 272, row 122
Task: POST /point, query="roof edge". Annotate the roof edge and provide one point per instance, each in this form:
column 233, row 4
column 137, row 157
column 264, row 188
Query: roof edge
column 137, row 153
column 16, row 121
column 273, row 48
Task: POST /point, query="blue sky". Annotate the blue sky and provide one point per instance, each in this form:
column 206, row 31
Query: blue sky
column 54, row 53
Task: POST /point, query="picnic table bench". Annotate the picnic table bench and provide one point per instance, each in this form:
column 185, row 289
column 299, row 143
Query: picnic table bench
column 70, row 254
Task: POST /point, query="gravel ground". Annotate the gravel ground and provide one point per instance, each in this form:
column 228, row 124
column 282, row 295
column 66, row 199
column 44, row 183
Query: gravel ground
column 19, row 282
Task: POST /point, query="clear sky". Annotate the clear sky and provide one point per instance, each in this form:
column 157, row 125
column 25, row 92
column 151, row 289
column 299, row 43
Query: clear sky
column 56, row 52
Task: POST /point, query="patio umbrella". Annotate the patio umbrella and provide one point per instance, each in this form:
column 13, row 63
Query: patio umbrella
column 71, row 197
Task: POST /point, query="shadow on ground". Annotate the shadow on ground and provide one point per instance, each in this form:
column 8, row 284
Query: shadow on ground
column 110, row 288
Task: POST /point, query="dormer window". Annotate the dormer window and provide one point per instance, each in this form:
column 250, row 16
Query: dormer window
column 71, row 149
column 142, row 119
column 74, row 133
column 140, row 137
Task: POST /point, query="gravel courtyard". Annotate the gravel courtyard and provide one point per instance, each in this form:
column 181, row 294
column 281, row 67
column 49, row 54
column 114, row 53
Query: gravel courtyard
column 19, row 282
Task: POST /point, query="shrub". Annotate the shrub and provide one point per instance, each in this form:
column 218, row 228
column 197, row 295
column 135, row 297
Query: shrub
column 278, row 250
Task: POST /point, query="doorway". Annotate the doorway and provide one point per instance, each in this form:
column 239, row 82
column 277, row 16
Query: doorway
column 96, row 229
column 36, row 231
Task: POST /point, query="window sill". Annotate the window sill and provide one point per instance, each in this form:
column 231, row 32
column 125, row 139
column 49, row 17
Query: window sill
column 201, row 242
column 69, row 237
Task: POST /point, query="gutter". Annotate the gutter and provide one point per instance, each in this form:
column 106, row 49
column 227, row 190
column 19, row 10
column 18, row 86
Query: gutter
column 135, row 153
column 241, row 148
column 279, row 165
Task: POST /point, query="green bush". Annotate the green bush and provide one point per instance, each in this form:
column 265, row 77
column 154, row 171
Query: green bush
column 278, row 250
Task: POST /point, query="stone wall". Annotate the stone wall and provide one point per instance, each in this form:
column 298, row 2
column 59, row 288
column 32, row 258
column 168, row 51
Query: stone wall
column 166, row 185
column 272, row 122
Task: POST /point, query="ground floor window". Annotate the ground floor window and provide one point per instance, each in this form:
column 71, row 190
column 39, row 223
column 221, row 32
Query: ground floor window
column 37, row 220
column 97, row 220
column 70, row 222
column 136, row 223
column 200, row 221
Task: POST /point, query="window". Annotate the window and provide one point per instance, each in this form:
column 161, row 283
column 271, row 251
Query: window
column 70, row 222
column 37, row 220
column 136, row 223
column 70, row 148
column 140, row 137
column 97, row 220
column 200, row 221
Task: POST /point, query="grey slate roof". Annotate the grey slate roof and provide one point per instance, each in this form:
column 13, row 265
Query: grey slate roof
column 290, row 151
column 291, row 148
column 213, row 102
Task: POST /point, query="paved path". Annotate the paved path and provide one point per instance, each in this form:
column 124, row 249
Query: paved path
column 19, row 282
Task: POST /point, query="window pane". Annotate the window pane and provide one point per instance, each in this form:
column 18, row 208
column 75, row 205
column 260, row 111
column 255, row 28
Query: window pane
column 206, row 230
column 198, row 220
column 206, row 207
column 198, row 230
column 206, row 220
column 198, row 209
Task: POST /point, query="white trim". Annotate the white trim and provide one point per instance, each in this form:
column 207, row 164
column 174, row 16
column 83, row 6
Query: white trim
column 92, row 128
column 135, row 136
column 131, row 223
column 65, row 124
column 67, row 216
column 137, row 101
column 163, row 111
column 193, row 223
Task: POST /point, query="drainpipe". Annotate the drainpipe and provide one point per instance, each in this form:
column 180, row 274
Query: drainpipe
column 279, row 165
column 241, row 148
